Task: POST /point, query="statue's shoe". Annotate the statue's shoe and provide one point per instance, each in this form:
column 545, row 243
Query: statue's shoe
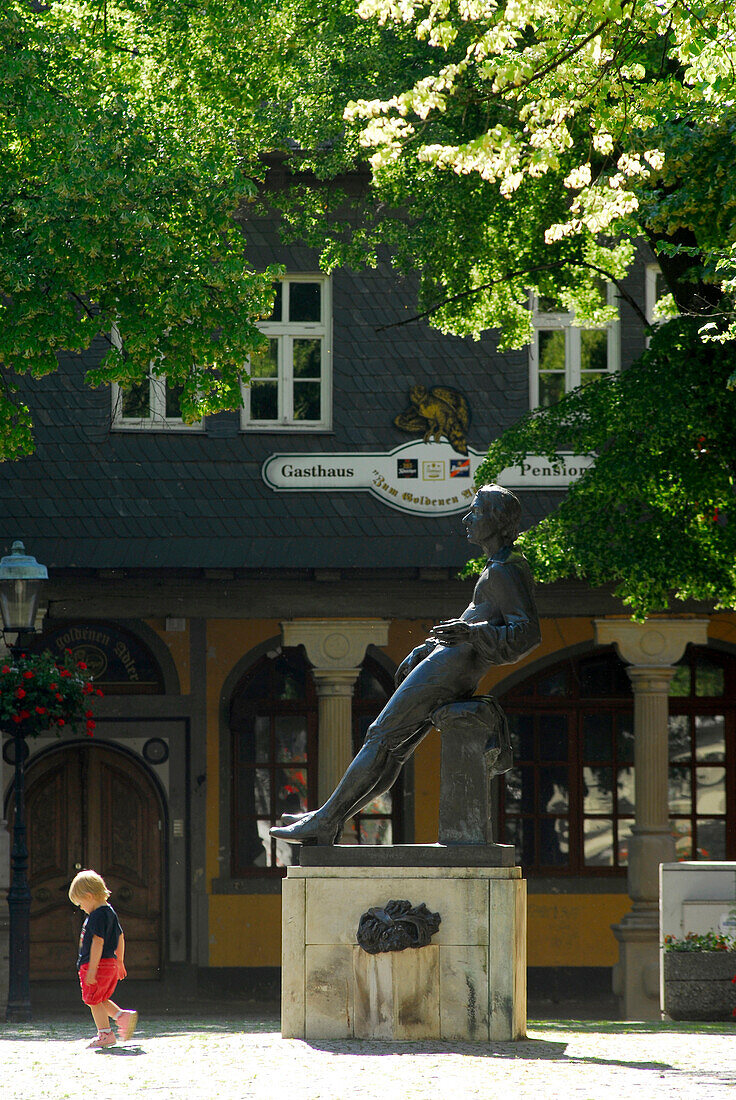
column 305, row 830
column 289, row 819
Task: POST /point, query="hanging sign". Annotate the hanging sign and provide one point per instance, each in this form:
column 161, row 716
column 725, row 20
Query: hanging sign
column 430, row 478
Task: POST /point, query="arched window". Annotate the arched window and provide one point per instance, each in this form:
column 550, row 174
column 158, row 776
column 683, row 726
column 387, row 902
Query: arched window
column 274, row 721
column 568, row 804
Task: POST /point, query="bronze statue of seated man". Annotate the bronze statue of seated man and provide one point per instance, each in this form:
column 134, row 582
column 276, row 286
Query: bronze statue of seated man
column 499, row 627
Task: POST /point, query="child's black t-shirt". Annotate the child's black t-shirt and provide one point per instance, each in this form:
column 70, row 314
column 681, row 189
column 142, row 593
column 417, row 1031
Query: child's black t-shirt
column 103, row 922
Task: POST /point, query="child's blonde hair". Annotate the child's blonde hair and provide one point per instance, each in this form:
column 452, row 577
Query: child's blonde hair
column 88, row 884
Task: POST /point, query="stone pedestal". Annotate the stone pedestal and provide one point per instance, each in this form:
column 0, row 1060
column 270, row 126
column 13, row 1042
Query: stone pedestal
column 468, row 984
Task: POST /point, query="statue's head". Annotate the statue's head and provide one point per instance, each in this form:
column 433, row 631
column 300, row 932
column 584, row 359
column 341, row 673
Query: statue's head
column 495, row 516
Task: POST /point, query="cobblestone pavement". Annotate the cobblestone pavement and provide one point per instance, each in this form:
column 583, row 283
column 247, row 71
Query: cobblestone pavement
column 237, row 1058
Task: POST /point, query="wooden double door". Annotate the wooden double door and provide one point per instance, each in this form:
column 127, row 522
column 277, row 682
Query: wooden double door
column 92, row 806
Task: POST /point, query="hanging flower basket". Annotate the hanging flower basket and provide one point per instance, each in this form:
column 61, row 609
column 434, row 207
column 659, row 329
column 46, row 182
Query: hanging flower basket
column 40, row 693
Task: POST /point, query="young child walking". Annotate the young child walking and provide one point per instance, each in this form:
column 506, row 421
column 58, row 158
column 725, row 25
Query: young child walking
column 101, row 961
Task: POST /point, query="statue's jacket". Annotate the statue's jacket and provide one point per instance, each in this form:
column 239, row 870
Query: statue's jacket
column 504, row 628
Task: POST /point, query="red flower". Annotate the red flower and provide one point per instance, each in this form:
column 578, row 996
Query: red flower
column 28, row 675
column 60, row 697
column 67, row 650
column 5, row 670
column 60, row 722
column 53, row 687
column 40, row 710
column 25, row 714
column 99, row 691
column 88, row 714
column 81, row 664
column 88, row 689
column 65, row 672
column 16, row 718
column 20, row 694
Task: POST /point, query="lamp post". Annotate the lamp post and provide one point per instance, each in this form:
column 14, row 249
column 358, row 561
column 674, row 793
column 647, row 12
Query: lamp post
column 20, row 583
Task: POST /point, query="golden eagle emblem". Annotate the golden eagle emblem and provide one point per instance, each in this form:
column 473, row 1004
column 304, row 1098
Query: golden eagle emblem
column 437, row 412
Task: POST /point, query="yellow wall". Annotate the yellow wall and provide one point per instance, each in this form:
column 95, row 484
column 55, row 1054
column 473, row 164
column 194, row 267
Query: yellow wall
column 177, row 643
column 245, row 930
column 574, row 929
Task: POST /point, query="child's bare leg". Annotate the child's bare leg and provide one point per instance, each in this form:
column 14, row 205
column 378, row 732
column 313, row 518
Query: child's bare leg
column 100, row 1016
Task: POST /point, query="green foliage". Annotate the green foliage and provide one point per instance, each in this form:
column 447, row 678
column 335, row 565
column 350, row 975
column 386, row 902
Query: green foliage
column 39, row 692
column 118, row 186
column 656, row 514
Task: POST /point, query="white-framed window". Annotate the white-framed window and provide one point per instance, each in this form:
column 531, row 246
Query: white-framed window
column 656, row 289
column 564, row 355
column 152, row 403
column 291, row 379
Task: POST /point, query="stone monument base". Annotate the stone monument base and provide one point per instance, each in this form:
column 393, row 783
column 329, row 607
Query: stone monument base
column 468, row 984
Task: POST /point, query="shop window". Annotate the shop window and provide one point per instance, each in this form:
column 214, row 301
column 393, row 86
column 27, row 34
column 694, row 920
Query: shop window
column 568, row 804
column 564, row 355
column 274, row 728
column 291, row 377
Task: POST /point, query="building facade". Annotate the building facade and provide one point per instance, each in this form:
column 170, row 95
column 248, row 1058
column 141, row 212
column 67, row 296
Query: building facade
column 244, row 590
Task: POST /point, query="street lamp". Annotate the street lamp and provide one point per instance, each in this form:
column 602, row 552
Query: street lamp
column 20, row 583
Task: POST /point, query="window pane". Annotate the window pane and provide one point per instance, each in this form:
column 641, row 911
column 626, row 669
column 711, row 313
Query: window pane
column 558, row 683
column 625, row 738
column 279, row 297
column 307, row 358
column 553, row 737
column 253, row 848
column 287, row 855
column 551, row 350
column 264, row 400
column 626, row 786
column 597, row 737
column 305, row 300
column 553, row 790
column 264, row 363
column 173, row 400
column 680, row 682
column 522, row 736
column 290, row 681
column 553, row 841
column 679, row 727
column 624, row 839
column 261, row 788
column 307, row 400
column 682, row 832
column 551, row 389
column 136, row 400
column 520, row 790
column 710, row 738
column 598, row 842
column 711, row 839
column 710, row 790
column 291, row 791
column 604, row 677
column 521, row 835
column 593, row 349
column 368, row 687
column 262, row 731
column 680, row 796
column 291, row 737
column 709, row 678
column 375, row 831
column 598, row 790
column 380, row 805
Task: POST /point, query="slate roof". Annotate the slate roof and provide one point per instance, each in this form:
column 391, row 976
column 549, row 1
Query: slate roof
column 92, row 497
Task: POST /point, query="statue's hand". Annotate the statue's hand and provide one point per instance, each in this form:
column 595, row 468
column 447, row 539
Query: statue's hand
column 452, row 632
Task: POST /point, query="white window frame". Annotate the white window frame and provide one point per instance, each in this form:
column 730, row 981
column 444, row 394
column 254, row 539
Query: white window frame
column 157, row 420
column 651, row 297
column 545, row 322
column 286, row 332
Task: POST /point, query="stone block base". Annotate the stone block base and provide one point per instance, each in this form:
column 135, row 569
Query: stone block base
column 468, row 984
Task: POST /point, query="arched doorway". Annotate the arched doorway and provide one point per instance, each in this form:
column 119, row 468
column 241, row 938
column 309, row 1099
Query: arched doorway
column 92, row 805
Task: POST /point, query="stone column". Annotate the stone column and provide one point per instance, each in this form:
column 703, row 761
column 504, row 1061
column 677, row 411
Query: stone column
column 336, row 648
column 651, row 650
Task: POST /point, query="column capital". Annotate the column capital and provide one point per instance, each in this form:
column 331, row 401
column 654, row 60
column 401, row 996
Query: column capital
column 654, row 679
column 333, row 644
column 335, row 681
column 655, row 643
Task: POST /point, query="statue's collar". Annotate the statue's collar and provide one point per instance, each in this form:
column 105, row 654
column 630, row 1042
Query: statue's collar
column 502, row 554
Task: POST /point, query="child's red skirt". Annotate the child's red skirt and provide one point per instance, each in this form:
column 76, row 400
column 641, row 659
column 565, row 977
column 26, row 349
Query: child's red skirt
column 104, row 987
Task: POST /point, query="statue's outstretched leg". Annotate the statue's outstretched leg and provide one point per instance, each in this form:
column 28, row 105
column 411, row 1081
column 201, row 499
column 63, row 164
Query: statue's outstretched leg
column 373, row 771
